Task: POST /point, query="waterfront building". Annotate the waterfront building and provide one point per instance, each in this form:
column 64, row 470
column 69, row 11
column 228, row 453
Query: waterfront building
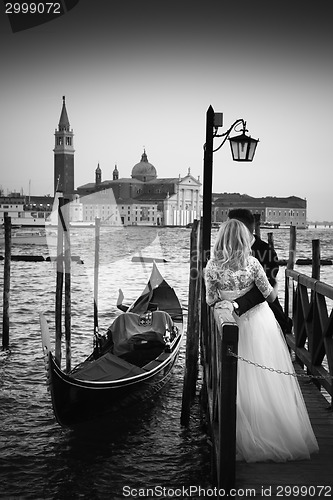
column 274, row 211
column 26, row 211
column 143, row 199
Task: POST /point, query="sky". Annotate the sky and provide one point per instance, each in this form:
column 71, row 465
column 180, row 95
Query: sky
column 142, row 75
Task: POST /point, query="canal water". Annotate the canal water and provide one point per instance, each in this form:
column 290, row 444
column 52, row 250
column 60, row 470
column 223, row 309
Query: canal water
column 148, row 453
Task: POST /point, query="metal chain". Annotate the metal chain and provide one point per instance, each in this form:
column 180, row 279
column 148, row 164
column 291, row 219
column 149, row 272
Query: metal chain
column 281, row 372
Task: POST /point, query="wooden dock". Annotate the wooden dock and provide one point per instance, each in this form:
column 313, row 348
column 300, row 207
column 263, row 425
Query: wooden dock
column 318, row 471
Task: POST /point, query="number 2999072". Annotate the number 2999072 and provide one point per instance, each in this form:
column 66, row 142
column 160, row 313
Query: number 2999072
column 33, row 8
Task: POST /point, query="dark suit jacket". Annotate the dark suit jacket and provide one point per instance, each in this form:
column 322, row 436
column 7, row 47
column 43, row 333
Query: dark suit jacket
column 269, row 261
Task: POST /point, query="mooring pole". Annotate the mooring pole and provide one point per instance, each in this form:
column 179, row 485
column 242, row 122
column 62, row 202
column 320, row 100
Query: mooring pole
column 257, row 224
column 316, row 259
column 96, row 271
column 6, row 282
column 68, row 306
column 59, row 286
column 292, row 248
column 193, row 327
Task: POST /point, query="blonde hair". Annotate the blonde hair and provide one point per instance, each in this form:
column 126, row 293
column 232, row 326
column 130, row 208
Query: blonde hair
column 233, row 244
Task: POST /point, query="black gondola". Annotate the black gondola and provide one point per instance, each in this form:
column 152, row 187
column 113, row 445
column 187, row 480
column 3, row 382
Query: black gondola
column 132, row 362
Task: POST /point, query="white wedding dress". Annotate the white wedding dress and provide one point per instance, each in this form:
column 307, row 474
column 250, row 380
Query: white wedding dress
column 272, row 420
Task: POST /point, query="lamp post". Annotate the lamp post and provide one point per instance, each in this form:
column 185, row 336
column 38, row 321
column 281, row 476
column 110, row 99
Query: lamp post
column 243, row 148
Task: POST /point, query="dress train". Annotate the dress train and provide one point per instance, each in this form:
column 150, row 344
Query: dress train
column 272, row 419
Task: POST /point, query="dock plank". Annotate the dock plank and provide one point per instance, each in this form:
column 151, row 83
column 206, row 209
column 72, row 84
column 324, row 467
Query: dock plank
column 272, row 477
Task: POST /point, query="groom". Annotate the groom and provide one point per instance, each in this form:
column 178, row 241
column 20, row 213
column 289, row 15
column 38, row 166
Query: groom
column 269, row 261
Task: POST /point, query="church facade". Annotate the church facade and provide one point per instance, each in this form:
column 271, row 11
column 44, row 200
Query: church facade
column 142, row 199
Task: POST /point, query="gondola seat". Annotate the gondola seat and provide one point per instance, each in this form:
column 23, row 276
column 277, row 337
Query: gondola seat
column 131, row 331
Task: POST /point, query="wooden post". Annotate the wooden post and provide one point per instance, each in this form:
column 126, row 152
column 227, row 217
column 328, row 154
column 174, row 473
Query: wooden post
column 270, row 240
column 316, row 259
column 227, row 417
column 292, row 248
column 315, row 339
column 6, row 282
column 96, row 271
column 257, row 224
column 290, row 265
column 59, row 286
column 192, row 335
column 68, row 261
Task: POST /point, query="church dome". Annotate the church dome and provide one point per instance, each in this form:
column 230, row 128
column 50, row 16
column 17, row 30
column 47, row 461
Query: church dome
column 144, row 171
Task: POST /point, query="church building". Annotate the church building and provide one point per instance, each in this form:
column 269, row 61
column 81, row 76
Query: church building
column 144, row 199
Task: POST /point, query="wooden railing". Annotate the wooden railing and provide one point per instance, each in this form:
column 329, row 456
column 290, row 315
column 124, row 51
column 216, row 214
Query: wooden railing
column 307, row 301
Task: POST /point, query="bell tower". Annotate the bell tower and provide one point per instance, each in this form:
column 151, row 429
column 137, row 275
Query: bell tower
column 115, row 173
column 64, row 155
column 98, row 176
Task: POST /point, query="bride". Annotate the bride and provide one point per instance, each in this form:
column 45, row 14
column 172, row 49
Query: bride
column 272, row 420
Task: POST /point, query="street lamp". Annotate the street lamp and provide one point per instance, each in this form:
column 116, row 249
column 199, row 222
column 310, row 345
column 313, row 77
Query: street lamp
column 243, row 148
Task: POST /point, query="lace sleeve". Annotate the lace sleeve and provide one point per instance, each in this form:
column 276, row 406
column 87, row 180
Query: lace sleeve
column 211, row 282
column 260, row 278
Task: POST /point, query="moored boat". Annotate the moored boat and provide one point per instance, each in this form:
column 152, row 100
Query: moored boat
column 130, row 363
column 29, row 237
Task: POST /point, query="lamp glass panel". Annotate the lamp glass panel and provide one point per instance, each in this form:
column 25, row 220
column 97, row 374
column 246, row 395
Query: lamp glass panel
column 243, row 148
column 252, row 150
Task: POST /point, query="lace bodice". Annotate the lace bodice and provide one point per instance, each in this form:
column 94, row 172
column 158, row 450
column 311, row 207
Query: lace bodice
column 227, row 284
